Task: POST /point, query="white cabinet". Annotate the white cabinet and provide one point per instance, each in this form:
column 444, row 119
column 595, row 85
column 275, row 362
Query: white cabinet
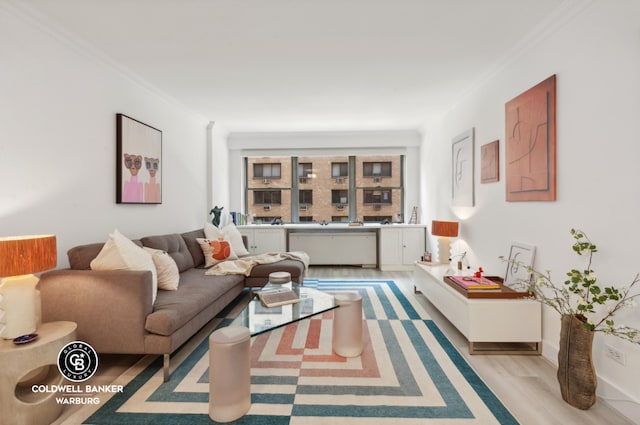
column 264, row 239
column 488, row 319
column 401, row 247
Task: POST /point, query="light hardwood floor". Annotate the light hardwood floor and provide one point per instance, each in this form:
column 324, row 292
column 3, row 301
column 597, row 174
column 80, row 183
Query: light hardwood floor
column 527, row 385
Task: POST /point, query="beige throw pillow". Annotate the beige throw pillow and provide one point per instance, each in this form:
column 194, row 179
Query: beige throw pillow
column 229, row 233
column 216, row 251
column 167, row 269
column 120, row 253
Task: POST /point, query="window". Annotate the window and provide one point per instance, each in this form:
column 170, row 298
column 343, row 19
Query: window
column 332, row 188
column 305, row 197
column 376, row 169
column 339, row 196
column 340, row 218
column 339, row 169
column 376, row 218
column 305, row 169
column 267, row 197
column 272, row 171
column 377, row 196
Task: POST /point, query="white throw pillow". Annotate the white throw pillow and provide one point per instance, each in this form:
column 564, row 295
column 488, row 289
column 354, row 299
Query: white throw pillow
column 167, row 269
column 212, row 232
column 229, row 233
column 119, row 253
column 216, row 251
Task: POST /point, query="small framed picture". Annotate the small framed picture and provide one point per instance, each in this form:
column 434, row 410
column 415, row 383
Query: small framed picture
column 520, row 262
column 489, row 159
column 462, row 147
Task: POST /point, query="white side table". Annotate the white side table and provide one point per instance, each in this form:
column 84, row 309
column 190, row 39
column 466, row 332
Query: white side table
column 34, row 363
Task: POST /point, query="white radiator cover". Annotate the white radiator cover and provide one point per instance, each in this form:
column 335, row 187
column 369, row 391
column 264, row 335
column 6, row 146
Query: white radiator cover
column 336, row 248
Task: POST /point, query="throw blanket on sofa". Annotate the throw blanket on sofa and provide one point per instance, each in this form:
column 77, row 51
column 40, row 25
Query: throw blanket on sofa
column 246, row 264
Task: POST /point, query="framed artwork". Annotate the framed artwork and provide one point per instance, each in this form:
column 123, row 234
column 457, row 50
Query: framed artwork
column 462, row 169
column 530, row 145
column 138, row 162
column 520, row 260
column 489, row 162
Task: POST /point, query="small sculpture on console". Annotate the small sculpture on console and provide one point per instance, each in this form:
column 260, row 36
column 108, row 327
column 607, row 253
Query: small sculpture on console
column 216, row 211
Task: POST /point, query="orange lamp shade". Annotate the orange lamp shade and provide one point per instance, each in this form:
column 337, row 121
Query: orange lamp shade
column 21, row 255
column 444, row 228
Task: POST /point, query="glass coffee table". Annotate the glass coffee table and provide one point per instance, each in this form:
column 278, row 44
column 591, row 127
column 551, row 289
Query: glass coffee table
column 259, row 319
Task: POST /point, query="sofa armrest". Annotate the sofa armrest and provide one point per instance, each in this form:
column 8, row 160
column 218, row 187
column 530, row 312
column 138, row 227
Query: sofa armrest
column 110, row 307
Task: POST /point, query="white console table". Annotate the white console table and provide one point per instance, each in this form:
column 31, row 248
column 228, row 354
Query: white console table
column 490, row 317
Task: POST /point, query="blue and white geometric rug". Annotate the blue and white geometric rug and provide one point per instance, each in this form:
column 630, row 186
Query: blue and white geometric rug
column 409, row 373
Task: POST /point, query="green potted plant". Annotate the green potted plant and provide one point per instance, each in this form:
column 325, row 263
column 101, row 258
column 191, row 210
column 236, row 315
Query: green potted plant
column 585, row 308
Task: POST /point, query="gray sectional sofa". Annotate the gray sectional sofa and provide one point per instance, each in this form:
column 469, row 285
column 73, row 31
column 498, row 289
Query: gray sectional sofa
column 114, row 309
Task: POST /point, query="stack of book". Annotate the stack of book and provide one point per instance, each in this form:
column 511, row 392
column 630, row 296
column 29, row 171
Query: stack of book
column 472, row 283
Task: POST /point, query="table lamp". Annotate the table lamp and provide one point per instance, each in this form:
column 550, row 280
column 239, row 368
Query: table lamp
column 20, row 257
column 446, row 230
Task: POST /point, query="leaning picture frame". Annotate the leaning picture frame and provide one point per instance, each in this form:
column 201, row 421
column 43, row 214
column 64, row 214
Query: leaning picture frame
column 138, row 162
column 519, row 265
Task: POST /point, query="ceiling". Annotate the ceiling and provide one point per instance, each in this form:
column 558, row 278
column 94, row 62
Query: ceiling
column 278, row 65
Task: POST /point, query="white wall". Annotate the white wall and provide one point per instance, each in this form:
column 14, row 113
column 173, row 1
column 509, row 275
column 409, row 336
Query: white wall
column 218, row 167
column 596, row 57
column 58, row 104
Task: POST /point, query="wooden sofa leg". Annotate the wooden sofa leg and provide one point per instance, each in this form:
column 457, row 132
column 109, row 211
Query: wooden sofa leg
column 165, row 369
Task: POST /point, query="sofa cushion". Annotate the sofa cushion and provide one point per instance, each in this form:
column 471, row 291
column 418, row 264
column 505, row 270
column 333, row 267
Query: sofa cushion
column 173, row 245
column 190, row 238
column 80, row 256
column 173, row 309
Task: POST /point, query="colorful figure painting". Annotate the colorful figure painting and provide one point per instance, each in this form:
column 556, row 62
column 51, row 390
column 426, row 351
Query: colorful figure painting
column 139, row 162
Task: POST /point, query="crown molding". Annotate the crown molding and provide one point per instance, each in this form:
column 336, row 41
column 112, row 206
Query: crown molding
column 555, row 21
column 33, row 17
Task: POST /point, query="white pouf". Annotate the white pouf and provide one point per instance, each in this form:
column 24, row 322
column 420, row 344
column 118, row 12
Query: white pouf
column 347, row 324
column 229, row 373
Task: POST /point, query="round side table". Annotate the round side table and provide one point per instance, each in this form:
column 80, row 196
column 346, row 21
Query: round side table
column 34, row 363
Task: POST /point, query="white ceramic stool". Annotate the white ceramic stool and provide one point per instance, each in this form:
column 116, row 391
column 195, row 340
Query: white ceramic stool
column 229, row 373
column 347, row 324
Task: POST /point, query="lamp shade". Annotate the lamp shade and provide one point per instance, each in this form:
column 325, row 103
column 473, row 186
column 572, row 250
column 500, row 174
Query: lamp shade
column 22, row 255
column 444, row 228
